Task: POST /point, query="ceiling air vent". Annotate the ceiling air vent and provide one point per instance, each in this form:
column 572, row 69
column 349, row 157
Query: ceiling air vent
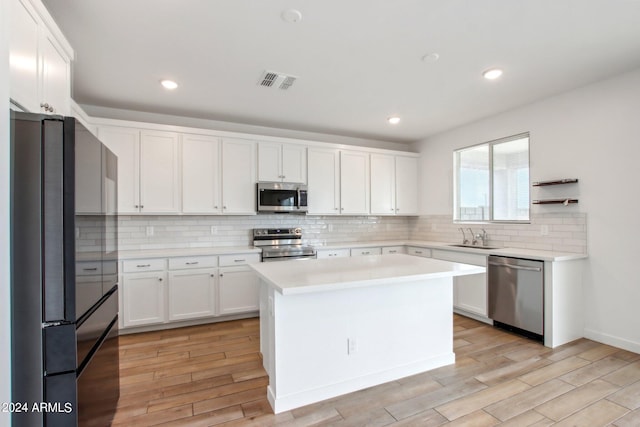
column 276, row 80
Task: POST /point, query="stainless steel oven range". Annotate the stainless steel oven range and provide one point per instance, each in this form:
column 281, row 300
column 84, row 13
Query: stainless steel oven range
column 282, row 244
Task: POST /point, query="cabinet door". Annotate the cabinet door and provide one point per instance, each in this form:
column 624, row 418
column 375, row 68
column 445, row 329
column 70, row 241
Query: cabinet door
column 294, row 163
column 192, row 294
column 406, row 185
column 144, row 298
column 238, row 176
column 125, row 143
column 269, row 162
column 23, row 56
column 89, row 173
column 159, row 172
column 470, row 293
column 238, row 290
column 324, row 181
column 354, row 183
column 201, row 174
column 383, row 185
column 56, row 80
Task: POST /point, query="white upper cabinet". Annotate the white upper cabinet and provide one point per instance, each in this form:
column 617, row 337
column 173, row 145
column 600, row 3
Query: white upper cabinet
column 394, row 185
column 383, row 184
column 201, row 175
column 148, row 169
column 23, row 56
column 354, row 183
column 282, row 162
column 125, row 143
column 159, row 172
column 324, row 181
column 40, row 63
column 238, row 176
column 406, row 185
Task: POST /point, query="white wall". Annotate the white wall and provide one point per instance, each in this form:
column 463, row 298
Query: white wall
column 593, row 134
column 5, row 308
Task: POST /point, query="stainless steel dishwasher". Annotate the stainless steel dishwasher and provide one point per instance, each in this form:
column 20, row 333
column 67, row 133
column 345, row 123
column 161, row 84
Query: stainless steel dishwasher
column 516, row 295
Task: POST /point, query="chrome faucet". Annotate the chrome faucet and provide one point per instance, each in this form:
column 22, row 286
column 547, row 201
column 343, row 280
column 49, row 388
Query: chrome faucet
column 482, row 237
column 475, row 237
column 465, row 241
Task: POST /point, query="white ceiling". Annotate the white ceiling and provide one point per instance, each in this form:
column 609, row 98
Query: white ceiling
column 357, row 61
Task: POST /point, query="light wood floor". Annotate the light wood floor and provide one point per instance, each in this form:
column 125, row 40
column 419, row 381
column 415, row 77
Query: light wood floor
column 212, row 375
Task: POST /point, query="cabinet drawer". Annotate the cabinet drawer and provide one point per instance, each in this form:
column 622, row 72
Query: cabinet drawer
column 412, row 250
column 238, row 259
column 333, row 253
column 394, row 250
column 182, row 263
column 138, row 265
column 88, row 268
column 465, row 258
column 366, row 251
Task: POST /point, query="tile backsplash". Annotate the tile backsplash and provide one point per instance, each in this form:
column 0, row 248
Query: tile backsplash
column 557, row 232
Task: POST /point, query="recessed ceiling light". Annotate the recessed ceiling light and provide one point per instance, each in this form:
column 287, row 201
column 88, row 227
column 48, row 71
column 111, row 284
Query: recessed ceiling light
column 431, row 57
column 169, row 84
column 492, row 74
column 394, row 120
column 291, row 16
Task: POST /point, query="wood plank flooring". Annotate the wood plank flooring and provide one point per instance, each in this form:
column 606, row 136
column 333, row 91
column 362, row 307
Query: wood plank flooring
column 212, row 375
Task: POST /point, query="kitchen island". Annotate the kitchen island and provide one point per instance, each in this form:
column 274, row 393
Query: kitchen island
column 333, row 326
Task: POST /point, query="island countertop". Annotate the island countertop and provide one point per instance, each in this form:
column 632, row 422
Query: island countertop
column 319, row 275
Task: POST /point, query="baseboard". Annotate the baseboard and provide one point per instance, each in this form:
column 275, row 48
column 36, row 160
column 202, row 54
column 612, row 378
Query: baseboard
column 474, row 316
column 296, row 400
column 612, row 340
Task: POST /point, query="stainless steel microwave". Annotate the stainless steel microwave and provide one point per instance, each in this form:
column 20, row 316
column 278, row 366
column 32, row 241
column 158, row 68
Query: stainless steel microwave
column 282, row 197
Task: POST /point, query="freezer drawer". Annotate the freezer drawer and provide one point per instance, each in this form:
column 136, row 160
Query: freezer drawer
column 516, row 294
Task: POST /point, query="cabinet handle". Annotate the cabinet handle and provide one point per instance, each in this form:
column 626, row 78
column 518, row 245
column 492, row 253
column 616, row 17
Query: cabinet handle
column 224, row 207
column 418, row 252
column 221, row 274
column 192, row 263
column 392, row 252
column 366, row 253
column 159, row 279
column 215, row 207
column 335, row 208
column 143, row 265
column 141, row 206
column 47, row 107
column 239, row 260
column 90, row 269
column 213, row 275
column 136, row 206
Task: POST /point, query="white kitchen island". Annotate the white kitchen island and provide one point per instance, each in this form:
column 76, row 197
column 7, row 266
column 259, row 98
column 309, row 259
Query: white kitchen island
column 333, row 326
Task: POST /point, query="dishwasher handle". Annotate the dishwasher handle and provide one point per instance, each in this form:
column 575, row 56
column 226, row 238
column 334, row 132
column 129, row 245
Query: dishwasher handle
column 515, row 267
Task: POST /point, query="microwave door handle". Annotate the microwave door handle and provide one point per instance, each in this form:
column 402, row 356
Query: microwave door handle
column 298, row 191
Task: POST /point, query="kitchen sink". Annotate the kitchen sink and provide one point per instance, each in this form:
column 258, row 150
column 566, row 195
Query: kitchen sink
column 475, row 246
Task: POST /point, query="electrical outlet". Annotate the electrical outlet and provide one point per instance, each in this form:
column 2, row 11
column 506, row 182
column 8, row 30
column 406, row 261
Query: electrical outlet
column 150, row 230
column 544, row 230
column 434, row 227
column 77, row 232
column 352, row 346
column 214, row 230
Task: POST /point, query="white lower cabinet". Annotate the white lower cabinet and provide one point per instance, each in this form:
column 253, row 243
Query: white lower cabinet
column 470, row 294
column 157, row 291
column 192, row 294
column 144, row 298
column 238, row 290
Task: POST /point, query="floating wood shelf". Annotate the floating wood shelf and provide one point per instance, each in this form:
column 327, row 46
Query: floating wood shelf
column 555, row 201
column 555, row 182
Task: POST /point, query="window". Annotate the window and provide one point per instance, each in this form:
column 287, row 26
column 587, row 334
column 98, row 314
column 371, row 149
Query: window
column 492, row 181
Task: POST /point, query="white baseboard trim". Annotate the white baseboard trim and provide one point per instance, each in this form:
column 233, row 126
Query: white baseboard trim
column 474, row 316
column 306, row 397
column 612, row 340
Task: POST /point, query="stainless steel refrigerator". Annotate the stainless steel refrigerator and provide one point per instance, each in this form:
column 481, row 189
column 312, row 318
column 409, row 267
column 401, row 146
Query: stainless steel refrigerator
column 64, row 274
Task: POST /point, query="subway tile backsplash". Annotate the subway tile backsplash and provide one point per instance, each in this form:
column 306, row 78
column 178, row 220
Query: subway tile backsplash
column 556, row 232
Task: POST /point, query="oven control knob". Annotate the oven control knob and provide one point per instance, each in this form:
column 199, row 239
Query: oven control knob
column 298, row 230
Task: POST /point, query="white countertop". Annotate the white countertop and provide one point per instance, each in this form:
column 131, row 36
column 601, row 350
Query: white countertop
column 509, row 252
column 317, row 275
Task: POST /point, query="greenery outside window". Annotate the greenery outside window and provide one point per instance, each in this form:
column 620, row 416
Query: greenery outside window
column 491, row 181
